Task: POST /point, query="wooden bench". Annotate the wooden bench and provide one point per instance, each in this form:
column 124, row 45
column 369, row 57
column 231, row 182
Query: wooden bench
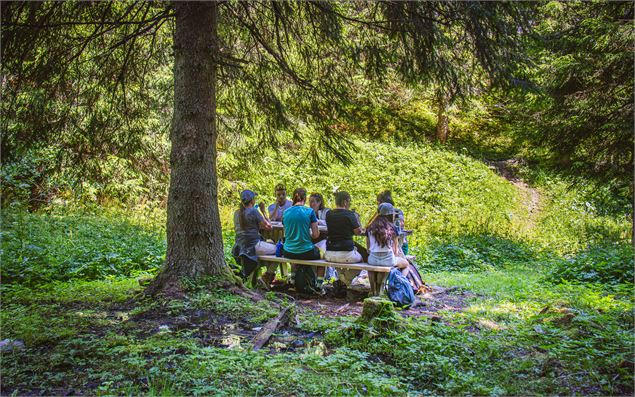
column 376, row 274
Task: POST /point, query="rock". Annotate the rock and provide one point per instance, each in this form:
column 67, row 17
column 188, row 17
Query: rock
column 298, row 343
column 354, row 295
column 9, row 345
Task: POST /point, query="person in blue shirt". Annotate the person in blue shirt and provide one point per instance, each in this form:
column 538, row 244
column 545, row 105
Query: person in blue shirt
column 300, row 228
column 282, row 204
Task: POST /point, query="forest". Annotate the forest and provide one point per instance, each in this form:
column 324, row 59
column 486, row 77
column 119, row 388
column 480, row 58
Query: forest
column 140, row 140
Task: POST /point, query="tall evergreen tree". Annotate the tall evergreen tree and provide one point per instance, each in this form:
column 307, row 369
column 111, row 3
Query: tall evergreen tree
column 279, row 63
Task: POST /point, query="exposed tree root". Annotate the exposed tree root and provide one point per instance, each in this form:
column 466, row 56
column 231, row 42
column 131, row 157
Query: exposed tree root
column 167, row 285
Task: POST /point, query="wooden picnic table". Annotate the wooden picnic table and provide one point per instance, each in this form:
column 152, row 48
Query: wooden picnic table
column 376, row 274
column 277, row 232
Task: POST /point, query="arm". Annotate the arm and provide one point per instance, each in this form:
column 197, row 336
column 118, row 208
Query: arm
column 273, row 213
column 261, row 207
column 356, row 225
column 264, row 224
column 315, row 232
column 395, row 249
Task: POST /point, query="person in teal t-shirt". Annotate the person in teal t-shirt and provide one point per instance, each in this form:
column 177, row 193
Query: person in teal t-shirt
column 300, row 227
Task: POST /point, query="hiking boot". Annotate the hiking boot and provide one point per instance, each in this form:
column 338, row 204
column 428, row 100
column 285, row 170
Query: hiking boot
column 267, row 279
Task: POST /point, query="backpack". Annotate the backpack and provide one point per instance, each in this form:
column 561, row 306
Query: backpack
column 305, row 280
column 399, row 290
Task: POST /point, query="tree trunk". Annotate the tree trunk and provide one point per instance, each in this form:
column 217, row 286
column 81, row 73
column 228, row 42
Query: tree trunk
column 442, row 119
column 195, row 244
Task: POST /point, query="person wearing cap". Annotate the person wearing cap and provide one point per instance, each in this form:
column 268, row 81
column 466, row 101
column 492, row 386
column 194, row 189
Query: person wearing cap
column 382, row 238
column 282, row 204
column 398, row 219
column 249, row 243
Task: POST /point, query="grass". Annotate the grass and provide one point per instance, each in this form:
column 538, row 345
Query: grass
column 519, row 332
column 517, row 335
column 442, row 193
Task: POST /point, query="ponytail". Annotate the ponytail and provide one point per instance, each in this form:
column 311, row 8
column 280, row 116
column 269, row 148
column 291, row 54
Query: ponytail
column 299, row 194
column 241, row 216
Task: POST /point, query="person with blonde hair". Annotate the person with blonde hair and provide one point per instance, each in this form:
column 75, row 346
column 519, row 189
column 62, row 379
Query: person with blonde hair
column 276, row 210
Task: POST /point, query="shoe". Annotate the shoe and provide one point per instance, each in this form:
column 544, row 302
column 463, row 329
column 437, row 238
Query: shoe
column 424, row 289
column 268, row 278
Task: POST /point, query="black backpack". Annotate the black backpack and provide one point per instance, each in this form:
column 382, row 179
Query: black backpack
column 305, row 279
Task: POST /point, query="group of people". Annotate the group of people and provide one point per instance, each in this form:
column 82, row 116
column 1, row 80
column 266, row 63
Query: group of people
column 302, row 236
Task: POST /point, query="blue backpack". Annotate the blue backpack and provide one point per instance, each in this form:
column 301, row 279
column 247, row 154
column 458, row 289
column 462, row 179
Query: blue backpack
column 399, row 290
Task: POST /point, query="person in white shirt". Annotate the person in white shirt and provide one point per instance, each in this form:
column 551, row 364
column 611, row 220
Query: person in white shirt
column 382, row 240
column 316, row 202
column 282, row 204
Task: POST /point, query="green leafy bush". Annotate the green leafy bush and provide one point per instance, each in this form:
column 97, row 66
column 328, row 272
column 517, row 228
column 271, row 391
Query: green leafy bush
column 606, row 263
column 473, row 253
column 39, row 248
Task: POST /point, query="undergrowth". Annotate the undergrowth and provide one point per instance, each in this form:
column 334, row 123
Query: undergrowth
column 547, row 310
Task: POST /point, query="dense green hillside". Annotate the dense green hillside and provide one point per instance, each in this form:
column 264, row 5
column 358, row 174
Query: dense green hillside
column 444, row 195
column 441, row 192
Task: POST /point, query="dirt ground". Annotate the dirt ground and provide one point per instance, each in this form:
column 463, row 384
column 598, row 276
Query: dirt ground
column 425, row 305
column 217, row 330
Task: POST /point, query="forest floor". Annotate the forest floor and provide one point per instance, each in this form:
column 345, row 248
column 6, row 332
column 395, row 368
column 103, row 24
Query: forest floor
column 513, row 317
column 500, row 332
column 425, row 305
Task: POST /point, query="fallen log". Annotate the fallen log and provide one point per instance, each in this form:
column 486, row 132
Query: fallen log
column 268, row 329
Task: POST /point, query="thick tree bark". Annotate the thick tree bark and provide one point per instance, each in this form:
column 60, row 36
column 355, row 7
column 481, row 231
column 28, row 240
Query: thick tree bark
column 442, row 119
column 195, row 244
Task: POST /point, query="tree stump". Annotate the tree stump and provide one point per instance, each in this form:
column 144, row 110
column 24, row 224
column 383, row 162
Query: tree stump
column 379, row 313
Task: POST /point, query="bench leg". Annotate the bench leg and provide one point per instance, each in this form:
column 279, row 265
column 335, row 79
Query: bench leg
column 381, row 281
column 376, row 281
column 254, row 276
column 283, row 269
